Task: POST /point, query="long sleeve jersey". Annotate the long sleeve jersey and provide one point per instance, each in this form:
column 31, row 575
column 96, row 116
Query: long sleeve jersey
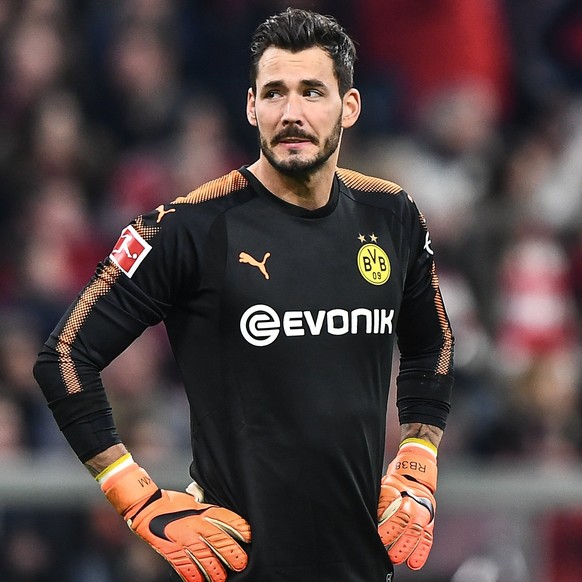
column 283, row 323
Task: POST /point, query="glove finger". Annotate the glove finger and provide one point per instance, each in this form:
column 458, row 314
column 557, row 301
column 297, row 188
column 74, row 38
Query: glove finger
column 229, row 522
column 390, row 499
column 188, row 570
column 419, row 527
column 392, row 527
column 206, row 543
column 420, row 554
column 202, row 557
column 225, row 547
column 404, row 546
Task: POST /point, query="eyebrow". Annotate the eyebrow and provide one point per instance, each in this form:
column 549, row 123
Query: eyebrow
column 304, row 82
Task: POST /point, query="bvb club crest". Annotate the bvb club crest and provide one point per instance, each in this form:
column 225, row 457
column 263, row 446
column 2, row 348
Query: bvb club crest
column 373, row 261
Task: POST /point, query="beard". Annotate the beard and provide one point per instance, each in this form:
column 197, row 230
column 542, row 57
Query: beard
column 295, row 166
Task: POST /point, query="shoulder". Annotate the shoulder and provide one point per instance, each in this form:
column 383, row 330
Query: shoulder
column 205, row 202
column 197, row 210
column 357, row 181
column 219, row 188
column 376, row 192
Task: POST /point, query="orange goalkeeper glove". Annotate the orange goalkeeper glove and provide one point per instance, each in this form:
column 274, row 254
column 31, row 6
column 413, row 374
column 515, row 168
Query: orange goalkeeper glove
column 197, row 539
column 407, row 505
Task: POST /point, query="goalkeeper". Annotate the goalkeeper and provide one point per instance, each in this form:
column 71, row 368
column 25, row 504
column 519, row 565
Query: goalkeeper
column 284, row 287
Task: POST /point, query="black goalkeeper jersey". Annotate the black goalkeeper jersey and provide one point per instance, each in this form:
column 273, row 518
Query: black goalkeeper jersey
column 283, row 323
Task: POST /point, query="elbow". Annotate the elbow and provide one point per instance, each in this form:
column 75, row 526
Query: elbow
column 46, row 371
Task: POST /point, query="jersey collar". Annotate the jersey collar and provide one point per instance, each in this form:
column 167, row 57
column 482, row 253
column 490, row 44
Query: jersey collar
column 292, row 209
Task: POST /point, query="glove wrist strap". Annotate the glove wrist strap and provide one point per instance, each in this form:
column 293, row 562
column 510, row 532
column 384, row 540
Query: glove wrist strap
column 420, row 442
column 128, row 487
column 416, row 462
column 115, row 467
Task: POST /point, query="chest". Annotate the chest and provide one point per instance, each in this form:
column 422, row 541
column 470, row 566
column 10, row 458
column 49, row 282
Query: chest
column 350, row 260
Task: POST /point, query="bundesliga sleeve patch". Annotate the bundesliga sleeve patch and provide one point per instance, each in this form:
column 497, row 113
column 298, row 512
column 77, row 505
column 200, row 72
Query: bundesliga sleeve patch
column 129, row 251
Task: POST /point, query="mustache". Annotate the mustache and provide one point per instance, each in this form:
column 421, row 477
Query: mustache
column 293, row 132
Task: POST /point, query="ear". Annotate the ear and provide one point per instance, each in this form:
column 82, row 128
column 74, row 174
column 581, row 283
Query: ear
column 352, row 105
column 251, row 112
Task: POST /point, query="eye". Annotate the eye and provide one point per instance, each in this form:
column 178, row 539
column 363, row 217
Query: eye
column 273, row 94
column 312, row 93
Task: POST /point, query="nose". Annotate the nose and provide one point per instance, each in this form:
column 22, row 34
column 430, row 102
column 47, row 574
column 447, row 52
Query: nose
column 293, row 110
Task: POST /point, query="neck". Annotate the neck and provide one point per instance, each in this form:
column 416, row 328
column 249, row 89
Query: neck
column 310, row 192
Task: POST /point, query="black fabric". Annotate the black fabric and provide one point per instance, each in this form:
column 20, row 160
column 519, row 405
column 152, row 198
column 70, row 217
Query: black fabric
column 424, row 398
column 86, row 421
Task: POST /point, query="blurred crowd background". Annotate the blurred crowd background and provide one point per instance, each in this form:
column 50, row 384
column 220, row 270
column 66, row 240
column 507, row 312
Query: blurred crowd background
column 110, row 107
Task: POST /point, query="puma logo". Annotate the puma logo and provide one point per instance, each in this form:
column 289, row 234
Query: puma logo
column 162, row 212
column 246, row 258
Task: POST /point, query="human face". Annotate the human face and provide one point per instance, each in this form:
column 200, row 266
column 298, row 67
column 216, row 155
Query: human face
column 298, row 110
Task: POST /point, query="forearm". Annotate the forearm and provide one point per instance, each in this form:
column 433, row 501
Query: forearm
column 69, row 376
column 417, row 430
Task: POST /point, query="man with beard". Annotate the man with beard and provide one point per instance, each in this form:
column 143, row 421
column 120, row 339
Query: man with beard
column 283, row 286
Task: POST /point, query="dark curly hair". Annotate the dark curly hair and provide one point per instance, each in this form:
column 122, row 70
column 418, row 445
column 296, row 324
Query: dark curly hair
column 295, row 30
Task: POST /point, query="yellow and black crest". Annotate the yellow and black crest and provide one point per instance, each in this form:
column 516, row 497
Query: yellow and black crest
column 373, row 262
